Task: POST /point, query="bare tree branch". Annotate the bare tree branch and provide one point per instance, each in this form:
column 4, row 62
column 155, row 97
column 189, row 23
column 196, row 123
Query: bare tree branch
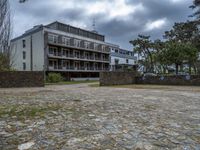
column 5, row 33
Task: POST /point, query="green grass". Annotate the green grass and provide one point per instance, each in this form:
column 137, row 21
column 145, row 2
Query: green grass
column 133, row 86
column 154, row 87
column 140, row 86
column 70, row 82
column 26, row 111
column 94, row 85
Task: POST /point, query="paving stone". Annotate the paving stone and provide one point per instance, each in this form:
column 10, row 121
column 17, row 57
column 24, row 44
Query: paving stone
column 69, row 117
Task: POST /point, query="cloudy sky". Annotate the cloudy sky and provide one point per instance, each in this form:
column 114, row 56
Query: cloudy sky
column 119, row 20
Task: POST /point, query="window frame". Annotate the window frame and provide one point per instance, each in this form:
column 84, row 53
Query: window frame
column 54, row 38
column 24, row 43
column 24, row 55
column 66, row 40
column 24, row 66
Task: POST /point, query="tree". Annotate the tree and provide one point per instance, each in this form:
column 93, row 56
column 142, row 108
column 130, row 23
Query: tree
column 158, row 46
column 142, row 46
column 183, row 32
column 5, row 33
column 4, row 62
column 196, row 6
column 22, row 1
column 178, row 53
column 5, row 25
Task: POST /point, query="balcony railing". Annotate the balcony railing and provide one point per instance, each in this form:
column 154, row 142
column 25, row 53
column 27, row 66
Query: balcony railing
column 72, row 68
column 73, row 45
column 79, row 57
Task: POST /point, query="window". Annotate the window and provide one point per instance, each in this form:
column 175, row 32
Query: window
column 87, row 44
column 132, row 54
column 127, row 61
column 24, row 55
column 116, row 51
column 65, row 40
column 96, row 46
column 50, row 63
column 66, row 52
column 116, row 61
column 24, row 66
column 77, row 54
column 87, row 55
column 53, row 38
column 24, row 43
column 103, row 48
column 104, row 57
column 77, row 43
column 53, row 50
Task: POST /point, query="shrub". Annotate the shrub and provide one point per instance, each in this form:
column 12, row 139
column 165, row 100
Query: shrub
column 54, row 78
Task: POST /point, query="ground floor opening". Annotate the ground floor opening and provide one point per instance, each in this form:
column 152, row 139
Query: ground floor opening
column 75, row 76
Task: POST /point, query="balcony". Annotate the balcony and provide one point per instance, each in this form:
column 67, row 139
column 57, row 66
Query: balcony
column 80, row 46
column 78, row 57
column 76, row 69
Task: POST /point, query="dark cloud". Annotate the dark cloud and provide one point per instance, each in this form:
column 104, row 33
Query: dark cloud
column 160, row 15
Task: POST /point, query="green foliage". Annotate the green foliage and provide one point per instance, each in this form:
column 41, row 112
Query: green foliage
column 4, row 62
column 196, row 6
column 54, row 78
column 181, row 47
column 178, row 53
column 23, row 112
column 143, row 46
column 183, row 32
column 198, row 66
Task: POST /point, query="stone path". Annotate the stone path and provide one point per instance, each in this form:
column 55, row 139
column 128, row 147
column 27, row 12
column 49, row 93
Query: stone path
column 72, row 117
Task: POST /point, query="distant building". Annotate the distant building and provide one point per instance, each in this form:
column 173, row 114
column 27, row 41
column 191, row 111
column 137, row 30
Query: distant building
column 57, row 47
column 121, row 59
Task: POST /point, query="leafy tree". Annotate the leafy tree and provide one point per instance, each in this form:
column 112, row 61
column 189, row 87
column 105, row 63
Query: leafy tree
column 182, row 46
column 196, row 6
column 142, row 46
column 22, row 1
column 4, row 62
column 183, row 32
column 158, row 46
column 178, row 53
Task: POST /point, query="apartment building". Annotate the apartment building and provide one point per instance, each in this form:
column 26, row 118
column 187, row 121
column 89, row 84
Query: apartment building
column 121, row 59
column 58, row 47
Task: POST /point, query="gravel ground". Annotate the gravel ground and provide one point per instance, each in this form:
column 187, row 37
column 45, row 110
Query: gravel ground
column 71, row 117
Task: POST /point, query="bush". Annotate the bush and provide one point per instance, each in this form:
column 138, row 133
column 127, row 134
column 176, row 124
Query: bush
column 54, row 78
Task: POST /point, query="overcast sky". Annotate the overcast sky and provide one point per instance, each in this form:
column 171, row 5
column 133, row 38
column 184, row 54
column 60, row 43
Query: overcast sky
column 119, row 20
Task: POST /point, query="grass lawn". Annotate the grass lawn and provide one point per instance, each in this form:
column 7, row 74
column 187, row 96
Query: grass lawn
column 153, row 87
column 70, row 82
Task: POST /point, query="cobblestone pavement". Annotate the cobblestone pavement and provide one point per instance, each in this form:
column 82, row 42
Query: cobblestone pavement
column 71, row 117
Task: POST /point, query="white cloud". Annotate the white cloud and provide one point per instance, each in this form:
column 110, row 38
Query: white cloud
column 118, row 9
column 119, row 20
column 177, row 1
column 157, row 24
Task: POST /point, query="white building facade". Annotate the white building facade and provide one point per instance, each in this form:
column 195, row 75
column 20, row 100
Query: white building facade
column 121, row 59
column 57, row 47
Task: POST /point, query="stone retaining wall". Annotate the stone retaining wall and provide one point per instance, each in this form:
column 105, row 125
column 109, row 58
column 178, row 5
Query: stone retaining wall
column 123, row 78
column 116, row 78
column 21, row 79
column 170, row 80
